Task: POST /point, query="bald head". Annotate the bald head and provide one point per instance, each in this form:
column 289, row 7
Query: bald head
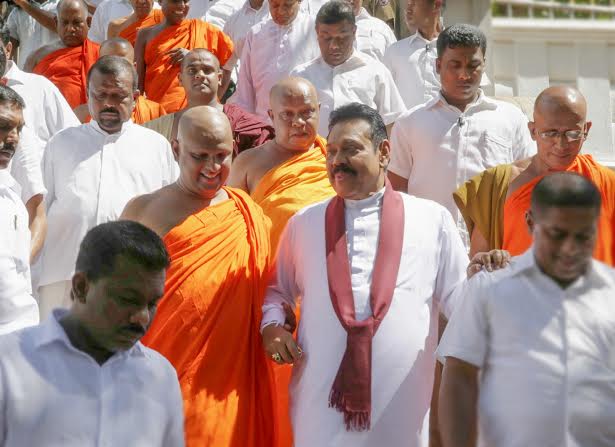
column 116, row 46
column 72, row 4
column 72, row 22
column 205, row 126
column 561, row 99
column 292, row 87
column 200, row 53
column 564, row 190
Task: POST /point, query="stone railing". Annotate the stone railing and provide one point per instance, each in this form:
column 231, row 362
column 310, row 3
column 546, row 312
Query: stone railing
column 555, row 9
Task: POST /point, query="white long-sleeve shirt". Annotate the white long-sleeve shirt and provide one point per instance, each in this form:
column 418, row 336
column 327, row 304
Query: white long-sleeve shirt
column 360, row 79
column 431, row 273
column 90, row 175
column 18, row 308
column 52, row 394
column 437, row 147
column 269, row 54
column 547, row 355
column 373, row 35
column 47, row 111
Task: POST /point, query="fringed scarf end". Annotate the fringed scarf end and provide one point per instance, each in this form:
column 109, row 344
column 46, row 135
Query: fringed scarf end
column 354, row 420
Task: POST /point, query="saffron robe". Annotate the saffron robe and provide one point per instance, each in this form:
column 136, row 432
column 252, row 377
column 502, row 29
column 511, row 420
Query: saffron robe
column 207, row 324
column 517, row 239
column 146, row 110
column 68, row 68
column 130, row 32
column 284, row 190
column 161, row 82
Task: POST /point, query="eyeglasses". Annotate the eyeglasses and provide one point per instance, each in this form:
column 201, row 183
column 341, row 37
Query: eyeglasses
column 290, row 117
column 570, row 135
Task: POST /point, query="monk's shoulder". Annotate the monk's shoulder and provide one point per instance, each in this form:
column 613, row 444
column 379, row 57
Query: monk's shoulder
column 39, row 54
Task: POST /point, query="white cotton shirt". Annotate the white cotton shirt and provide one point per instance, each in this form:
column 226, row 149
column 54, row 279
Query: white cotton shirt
column 90, row 175
column 547, row 355
column 437, row 147
column 25, row 167
column 373, row 36
column 53, row 394
column 107, row 11
column 47, row 111
column 239, row 24
column 30, row 34
column 269, row 54
column 412, row 62
column 18, row 309
column 360, row 79
column 432, row 270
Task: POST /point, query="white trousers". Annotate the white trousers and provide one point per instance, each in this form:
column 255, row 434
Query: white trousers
column 52, row 296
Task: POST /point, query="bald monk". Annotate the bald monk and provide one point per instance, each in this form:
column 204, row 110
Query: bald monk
column 160, row 49
column 144, row 15
column 200, row 77
column 207, row 323
column 67, row 62
column 145, row 110
column 284, row 175
column 495, row 203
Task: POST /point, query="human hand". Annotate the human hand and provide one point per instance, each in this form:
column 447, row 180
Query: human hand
column 290, row 324
column 490, row 261
column 280, row 345
column 177, row 55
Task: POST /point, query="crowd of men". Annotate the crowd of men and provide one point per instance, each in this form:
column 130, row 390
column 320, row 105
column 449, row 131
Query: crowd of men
column 248, row 223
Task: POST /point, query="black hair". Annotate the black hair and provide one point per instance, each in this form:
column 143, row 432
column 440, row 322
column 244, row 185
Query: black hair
column 10, row 96
column 102, row 245
column 354, row 111
column 114, row 65
column 461, row 35
column 565, row 190
column 5, row 35
column 335, row 11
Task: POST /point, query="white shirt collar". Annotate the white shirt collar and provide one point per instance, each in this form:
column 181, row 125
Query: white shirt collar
column 51, row 331
column 8, row 181
column 481, row 102
column 420, row 37
column 363, row 14
column 369, row 202
column 355, row 60
column 14, row 73
column 95, row 126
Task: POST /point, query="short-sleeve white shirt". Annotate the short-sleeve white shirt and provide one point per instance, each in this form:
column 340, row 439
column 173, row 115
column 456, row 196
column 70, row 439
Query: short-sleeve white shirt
column 547, row 355
column 360, row 79
column 90, row 175
column 26, row 165
column 373, row 35
column 437, row 147
column 18, row 308
column 47, row 111
column 52, row 394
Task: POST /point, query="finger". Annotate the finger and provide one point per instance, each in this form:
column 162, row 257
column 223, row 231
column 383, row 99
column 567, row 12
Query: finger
column 293, row 349
column 285, row 354
column 487, row 262
column 498, row 259
column 506, row 256
column 474, row 269
column 288, row 327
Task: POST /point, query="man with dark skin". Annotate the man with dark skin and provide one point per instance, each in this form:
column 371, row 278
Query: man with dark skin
column 160, row 49
column 535, row 339
column 200, row 76
column 144, row 15
column 87, row 360
column 65, row 62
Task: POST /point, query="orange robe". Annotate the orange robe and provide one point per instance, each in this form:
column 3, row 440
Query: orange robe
column 517, row 238
column 161, row 83
column 146, row 110
column 68, row 68
column 284, row 190
column 130, row 32
column 207, row 324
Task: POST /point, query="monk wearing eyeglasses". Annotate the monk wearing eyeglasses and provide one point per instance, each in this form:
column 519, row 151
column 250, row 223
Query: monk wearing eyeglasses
column 495, row 203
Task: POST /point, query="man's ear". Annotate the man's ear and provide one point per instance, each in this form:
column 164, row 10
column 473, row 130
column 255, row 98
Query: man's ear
column 80, row 286
column 384, row 153
column 438, row 65
column 136, row 94
column 175, row 148
column 588, row 125
column 270, row 114
column 531, row 125
column 55, row 21
column 9, row 49
column 89, row 21
column 529, row 220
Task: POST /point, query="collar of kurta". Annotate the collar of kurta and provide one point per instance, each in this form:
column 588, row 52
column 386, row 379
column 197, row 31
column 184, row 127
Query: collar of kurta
column 125, row 126
column 14, row 74
column 355, row 60
column 420, row 37
column 482, row 102
column 7, row 181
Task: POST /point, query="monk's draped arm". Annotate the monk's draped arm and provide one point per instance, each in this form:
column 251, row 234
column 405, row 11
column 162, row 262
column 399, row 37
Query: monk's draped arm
column 282, row 286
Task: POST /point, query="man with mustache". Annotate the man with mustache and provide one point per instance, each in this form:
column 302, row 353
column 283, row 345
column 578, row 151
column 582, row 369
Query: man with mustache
column 144, row 110
column 439, row 145
column 372, row 268
column 66, row 62
column 18, row 308
column 283, row 176
column 271, row 50
column 208, row 319
column 535, row 340
column 86, row 363
column 160, row 50
column 342, row 74
column 201, row 77
column 494, row 203
column 93, row 170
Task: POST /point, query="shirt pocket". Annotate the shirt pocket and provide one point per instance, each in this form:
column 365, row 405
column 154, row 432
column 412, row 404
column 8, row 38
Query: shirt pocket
column 496, row 149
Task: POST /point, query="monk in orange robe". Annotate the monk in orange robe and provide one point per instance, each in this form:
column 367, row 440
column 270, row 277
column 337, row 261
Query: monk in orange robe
column 67, row 62
column 145, row 110
column 207, row 323
column 284, row 175
column 160, row 49
column 144, row 15
column 500, row 197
